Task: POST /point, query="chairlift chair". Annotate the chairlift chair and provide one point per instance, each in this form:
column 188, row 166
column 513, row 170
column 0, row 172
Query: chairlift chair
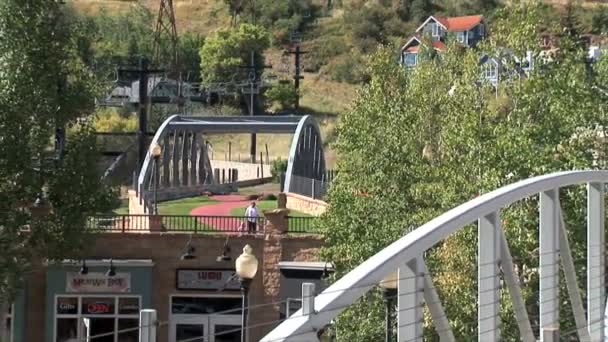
column 295, row 37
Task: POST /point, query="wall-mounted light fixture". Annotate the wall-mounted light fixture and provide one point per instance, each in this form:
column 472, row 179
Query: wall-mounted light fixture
column 112, row 270
column 83, row 268
column 189, row 250
column 225, row 256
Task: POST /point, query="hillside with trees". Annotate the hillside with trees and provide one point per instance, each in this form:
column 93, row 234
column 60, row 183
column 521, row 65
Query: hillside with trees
column 338, row 34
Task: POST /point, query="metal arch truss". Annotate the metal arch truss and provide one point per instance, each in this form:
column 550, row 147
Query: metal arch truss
column 184, row 163
column 415, row 286
column 306, row 157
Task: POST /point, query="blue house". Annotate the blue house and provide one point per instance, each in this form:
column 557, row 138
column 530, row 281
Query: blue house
column 466, row 30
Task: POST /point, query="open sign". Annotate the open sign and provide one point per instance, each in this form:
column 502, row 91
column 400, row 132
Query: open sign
column 99, row 308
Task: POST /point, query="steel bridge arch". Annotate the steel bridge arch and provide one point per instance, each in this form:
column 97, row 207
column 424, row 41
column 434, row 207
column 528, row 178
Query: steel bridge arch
column 406, row 256
column 184, row 163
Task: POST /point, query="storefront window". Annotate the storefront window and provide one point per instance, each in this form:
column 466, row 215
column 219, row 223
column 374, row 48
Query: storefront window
column 8, row 325
column 109, row 317
column 206, row 305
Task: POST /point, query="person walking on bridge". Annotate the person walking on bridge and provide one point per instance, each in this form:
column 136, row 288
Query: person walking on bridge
column 252, row 217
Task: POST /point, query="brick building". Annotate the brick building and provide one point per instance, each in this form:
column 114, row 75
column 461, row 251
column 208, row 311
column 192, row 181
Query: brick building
column 193, row 297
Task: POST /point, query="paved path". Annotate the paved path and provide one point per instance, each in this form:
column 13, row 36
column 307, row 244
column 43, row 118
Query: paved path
column 223, row 208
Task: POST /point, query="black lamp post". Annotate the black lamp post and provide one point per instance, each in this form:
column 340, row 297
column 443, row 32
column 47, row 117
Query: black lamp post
column 246, row 268
column 388, row 286
column 155, row 151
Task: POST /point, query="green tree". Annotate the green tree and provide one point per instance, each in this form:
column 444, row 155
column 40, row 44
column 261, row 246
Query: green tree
column 227, row 49
column 44, row 84
column 190, row 45
column 284, row 95
column 440, row 138
column 599, row 21
column 421, row 9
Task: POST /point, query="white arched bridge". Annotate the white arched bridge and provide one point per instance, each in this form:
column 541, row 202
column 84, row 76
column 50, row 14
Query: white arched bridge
column 415, row 283
column 184, row 167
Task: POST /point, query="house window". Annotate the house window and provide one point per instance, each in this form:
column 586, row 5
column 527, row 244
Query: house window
column 7, row 320
column 461, row 37
column 107, row 315
column 292, row 306
column 435, row 30
column 410, row 59
column 482, row 30
column 489, row 70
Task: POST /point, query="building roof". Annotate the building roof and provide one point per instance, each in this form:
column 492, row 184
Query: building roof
column 453, row 24
column 463, row 23
column 437, row 45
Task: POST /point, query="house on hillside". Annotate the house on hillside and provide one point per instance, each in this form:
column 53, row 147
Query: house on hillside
column 504, row 67
column 466, row 30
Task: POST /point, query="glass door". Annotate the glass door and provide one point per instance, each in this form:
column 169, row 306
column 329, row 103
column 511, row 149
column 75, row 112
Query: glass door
column 191, row 329
column 225, row 328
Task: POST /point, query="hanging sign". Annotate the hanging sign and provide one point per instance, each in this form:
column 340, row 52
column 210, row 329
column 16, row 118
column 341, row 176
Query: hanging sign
column 192, row 279
column 98, row 282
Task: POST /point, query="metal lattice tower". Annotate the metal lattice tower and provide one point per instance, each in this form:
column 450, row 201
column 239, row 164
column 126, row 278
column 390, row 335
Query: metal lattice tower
column 165, row 28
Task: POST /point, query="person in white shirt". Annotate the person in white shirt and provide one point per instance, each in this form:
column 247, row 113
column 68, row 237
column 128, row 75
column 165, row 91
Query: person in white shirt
column 252, row 217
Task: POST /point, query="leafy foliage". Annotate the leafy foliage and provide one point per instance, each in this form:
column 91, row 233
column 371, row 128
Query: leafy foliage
column 111, row 121
column 227, row 49
column 440, row 138
column 44, row 84
column 283, row 94
column 279, row 166
column 281, row 18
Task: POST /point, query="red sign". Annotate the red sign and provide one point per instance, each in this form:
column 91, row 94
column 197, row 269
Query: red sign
column 98, row 308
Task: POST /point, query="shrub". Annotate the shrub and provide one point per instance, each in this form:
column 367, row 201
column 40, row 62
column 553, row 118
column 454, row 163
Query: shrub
column 253, row 197
column 283, row 94
column 348, row 68
column 111, row 121
column 269, row 197
column 278, row 167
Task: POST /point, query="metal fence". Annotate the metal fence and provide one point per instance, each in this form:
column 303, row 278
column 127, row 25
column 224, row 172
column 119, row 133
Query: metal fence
column 193, row 224
column 303, row 225
column 172, row 223
column 310, row 187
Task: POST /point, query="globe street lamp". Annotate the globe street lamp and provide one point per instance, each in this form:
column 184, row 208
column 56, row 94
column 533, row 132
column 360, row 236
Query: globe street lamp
column 388, row 286
column 246, row 268
column 155, row 151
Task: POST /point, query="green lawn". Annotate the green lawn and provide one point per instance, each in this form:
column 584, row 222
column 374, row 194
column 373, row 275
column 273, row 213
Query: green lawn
column 266, row 205
column 178, row 207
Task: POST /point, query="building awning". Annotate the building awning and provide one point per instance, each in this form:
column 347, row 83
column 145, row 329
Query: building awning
column 306, row 266
column 106, row 262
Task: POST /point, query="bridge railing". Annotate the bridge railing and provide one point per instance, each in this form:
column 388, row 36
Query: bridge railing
column 172, row 223
column 415, row 284
column 192, row 224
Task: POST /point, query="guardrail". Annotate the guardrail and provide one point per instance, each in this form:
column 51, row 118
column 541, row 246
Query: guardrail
column 303, row 225
column 192, row 224
column 171, row 223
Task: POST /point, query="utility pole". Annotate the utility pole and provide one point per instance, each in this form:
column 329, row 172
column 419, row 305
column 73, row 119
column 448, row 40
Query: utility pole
column 142, row 132
column 253, row 80
column 165, row 27
column 297, row 72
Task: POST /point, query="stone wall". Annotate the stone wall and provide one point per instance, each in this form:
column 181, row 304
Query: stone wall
column 305, row 204
column 246, row 171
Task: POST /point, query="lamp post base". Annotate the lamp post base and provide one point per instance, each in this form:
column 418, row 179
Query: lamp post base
column 245, row 284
